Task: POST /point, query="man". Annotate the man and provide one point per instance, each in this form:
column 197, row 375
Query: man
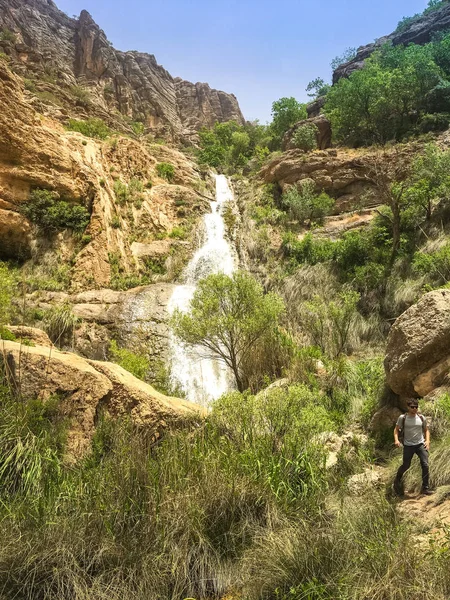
column 416, row 440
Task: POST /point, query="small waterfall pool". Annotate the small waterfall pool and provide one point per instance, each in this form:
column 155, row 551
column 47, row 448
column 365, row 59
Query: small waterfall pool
column 203, row 379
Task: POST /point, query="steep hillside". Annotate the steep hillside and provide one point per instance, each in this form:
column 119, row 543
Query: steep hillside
column 58, row 54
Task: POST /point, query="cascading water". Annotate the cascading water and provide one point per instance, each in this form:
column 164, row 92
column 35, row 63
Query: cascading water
column 203, row 379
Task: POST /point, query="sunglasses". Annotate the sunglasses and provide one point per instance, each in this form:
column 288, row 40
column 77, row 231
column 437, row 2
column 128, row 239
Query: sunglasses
column 413, row 405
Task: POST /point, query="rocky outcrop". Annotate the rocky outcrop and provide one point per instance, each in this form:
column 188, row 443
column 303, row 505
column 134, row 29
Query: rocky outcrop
column 418, row 348
column 76, row 52
column 346, row 175
column 420, row 31
column 36, row 152
column 137, row 317
column 323, row 134
column 87, row 388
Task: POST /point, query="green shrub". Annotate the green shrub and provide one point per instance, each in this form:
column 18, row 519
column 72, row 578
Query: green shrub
column 434, row 122
column 435, row 265
column 82, row 95
column 115, row 222
column 310, row 249
column 60, row 323
column 45, row 209
column 132, row 362
column 6, row 35
column 178, row 233
column 304, row 204
column 305, row 138
column 95, row 128
column 121, row 192
column 166, row 171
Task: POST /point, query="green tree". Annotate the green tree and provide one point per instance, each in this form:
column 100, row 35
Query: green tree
column 346, row 56
column 305, row 137
column 285, row 113
column 317, row 88
column 227, row 317
column 385, row 99
column 304, row 204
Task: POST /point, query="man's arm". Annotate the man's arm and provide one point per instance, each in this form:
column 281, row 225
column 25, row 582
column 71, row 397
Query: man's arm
column 396, row 441
column 427, row 437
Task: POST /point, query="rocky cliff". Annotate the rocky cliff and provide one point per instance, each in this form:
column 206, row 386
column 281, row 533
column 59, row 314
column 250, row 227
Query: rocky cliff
column 64, row 53
column 419, row 31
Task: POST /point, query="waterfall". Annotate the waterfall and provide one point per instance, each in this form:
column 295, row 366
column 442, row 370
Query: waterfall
column 203, row 379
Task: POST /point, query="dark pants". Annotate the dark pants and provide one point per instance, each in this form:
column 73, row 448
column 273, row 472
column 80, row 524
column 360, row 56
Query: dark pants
column 408, row 453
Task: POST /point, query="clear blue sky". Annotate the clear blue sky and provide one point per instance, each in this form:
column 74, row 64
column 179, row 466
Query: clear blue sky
column 259, row 50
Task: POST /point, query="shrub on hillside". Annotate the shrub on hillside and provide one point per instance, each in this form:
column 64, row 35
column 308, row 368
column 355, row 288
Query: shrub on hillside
column 48, row 211
column 304, row 204
column 436, row 264
column 134, row 363
column 166, row 171
column 305, row 138
column 95, row 128
column 310, row 249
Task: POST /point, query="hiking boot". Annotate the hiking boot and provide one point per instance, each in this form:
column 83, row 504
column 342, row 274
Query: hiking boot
column 426, row 492
column 398, row 487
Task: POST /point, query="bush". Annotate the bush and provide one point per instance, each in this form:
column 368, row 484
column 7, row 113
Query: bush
column 121, row 192
column 309, row 250
column 81, row 94
column 132, row 362
column 304, row 204
column 6, row 35
column 434, row 122
column 305, row 138
column 95, row 128
column 8, row 283
column 436, row 265
column 60, row 323
column 45, row 209
column 166, row 171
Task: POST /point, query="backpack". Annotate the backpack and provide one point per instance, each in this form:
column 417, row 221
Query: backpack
column 401, row 431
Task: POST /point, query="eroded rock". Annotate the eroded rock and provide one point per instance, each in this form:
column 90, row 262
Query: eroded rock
column 418, row 346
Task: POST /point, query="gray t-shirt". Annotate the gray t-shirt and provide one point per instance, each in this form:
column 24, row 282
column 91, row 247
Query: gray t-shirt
column 413, row 429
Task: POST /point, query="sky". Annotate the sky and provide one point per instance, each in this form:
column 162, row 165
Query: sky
column 259, row 50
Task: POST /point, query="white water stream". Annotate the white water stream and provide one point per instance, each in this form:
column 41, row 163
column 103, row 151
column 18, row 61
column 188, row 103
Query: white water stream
column 203, row 379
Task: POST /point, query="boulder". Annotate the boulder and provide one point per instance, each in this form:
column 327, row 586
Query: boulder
column 86, row 387
column 385, row 418
column 364, row 482
column 418, row 346
column 146, row 406
column 31, row 334
column 323, row 134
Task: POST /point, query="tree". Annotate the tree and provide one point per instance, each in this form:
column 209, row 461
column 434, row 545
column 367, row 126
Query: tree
column 318, row 87
column 227, row 317
column 346, row 56
column 304, row 204
column 285, row 113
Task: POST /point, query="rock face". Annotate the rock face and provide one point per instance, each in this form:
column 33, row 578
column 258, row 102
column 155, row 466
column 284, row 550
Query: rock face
column 418, row 32
column 323, row 135
column 76, row 51
column 86, row 388
column 418, row 348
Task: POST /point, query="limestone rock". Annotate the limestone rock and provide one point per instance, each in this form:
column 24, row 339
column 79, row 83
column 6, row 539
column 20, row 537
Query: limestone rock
column 418, row 32
column 133, row 83
column 15, row 238
column 418, row 341
column 433, row 378
column 36, row 336
column 323, row 135
column 361, row 482
column 40, row 372
column 385, row 418
column 146, row 406
column 86, row 387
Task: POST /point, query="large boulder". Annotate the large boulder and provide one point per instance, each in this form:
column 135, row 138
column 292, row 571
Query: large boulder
column 418, row 347
column 86, row 387
column 323, row 133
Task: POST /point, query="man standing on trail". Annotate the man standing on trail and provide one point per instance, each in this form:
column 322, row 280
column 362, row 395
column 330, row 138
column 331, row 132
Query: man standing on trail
column 415, row 437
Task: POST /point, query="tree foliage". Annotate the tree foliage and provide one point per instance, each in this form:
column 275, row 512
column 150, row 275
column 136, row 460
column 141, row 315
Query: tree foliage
column 389, row 96
column 48, row 211
column 304, row 204
column 227, row 317
column 285, row 113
